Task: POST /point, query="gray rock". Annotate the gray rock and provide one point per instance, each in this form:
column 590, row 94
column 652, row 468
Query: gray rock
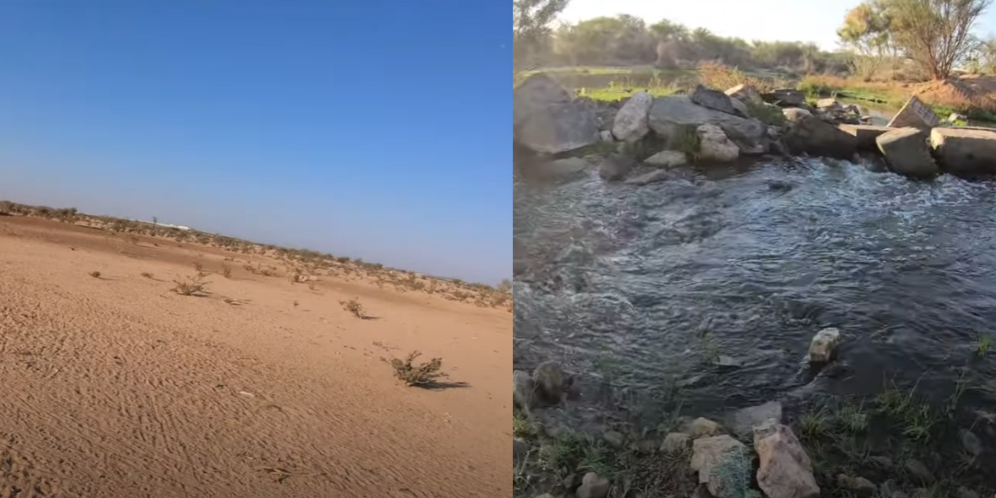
column 743, row 421
column 654, row 176
column 606, row 136
column 614, row 439
column 965, row 151
column 881, row 462
column 593, row 486
column 572, row 481
column 863, row 487
column 615, row 167
column 535, row 94
column 889, row 488
column 745, row 93
column 915, row 114
column 970, row 442
column 786, row 97
column 630, row 123
column 549, row 381
column 823, row 345
column 707, row 455
column 558, row 128
column 523, row 390
column 830, row 104
column 668, row 114
column 807, row 134
column 667, row 159
column 919, row 472
column 676, row 442
column 865, row 135
column 964, row 492
column 719, row 101
column 714, row 145
column 785, row 470
column 906, row 151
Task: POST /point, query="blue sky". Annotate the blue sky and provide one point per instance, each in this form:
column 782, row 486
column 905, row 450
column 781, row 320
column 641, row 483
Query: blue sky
column 789, row 20
column 374, row 129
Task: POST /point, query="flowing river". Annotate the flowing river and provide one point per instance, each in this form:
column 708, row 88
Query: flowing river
column 715, row 283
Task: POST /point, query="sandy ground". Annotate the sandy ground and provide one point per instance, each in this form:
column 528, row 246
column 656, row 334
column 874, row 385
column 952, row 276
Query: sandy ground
column 117, row 387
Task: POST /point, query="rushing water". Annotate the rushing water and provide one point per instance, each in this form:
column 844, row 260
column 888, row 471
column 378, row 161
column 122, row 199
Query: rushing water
column 644, row 286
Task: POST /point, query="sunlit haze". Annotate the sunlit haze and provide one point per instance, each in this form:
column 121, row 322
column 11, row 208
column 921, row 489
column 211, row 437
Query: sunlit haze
column 786, row 20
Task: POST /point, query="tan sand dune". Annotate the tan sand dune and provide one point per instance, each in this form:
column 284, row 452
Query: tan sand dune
column 114, row 386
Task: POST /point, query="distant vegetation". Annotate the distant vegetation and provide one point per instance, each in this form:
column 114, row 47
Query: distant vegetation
column 298, row 263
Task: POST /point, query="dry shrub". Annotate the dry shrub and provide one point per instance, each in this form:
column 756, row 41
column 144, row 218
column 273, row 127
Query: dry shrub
column 423, row 374
column 722, row 77
column 147, row 274
column 353, row 306
column 191, row 286
column 226, row 270
column 95, row 274
column 198, row 266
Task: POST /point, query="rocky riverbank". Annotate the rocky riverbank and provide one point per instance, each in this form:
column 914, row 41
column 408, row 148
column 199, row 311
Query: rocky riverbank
column 642, row 138
column 895, row 445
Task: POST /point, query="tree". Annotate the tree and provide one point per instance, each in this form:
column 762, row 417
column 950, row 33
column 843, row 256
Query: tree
column 867, row 31
column 936, row 34
column 531, row 21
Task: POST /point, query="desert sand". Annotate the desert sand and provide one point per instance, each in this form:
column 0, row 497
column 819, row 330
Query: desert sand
column 114, row 386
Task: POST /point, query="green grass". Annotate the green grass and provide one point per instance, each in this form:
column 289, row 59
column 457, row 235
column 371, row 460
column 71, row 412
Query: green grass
column 984, row 344
column 573, row 452
column 616, row 92
column 853, row 419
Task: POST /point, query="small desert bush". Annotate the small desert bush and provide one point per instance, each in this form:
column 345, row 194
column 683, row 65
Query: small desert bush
column 722, row 77
column 226, row 270
column 423, row 374
column 147, row 274
column 95, row 274
column 198, row 266
column 353, row 306
column 191, row 286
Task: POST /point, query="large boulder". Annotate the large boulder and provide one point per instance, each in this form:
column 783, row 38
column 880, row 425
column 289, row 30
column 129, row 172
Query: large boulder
column 714, row 145
column 535, row 94
column 807, row 134
column 719, row 101
column 915, row 114
column 669, row 114
column 557, row 128
column 865, row 135
column 906, row 151
column 708, row 454
column 965, row 151
column 630, row 123
column 785, row 97
column 785, row 469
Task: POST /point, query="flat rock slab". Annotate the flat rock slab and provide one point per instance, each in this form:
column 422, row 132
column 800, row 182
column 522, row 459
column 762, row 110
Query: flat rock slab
column 965, row 151
column 907, row 152
column 866, row 134
column 915, row 114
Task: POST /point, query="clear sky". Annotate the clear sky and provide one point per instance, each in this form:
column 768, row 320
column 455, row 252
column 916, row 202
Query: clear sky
column 373, row 128
column 790, row 20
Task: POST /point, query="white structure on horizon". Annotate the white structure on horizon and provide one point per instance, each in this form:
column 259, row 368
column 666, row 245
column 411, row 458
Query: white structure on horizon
column 167, row 225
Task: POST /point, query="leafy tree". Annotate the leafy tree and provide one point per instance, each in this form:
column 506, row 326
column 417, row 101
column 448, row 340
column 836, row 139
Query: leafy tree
column 867, row 30
column 936, row 34
column 531, row 21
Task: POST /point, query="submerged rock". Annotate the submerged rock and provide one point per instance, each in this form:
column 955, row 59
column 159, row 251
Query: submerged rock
column 549, row 381
column 615, row 167
column 823, row 345
column 807, row 134
column 667, row 159
column 785, row 469
column 743, row 421
column 654, row 176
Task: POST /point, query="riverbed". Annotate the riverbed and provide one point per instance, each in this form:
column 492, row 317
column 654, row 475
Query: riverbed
column 713, row 284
